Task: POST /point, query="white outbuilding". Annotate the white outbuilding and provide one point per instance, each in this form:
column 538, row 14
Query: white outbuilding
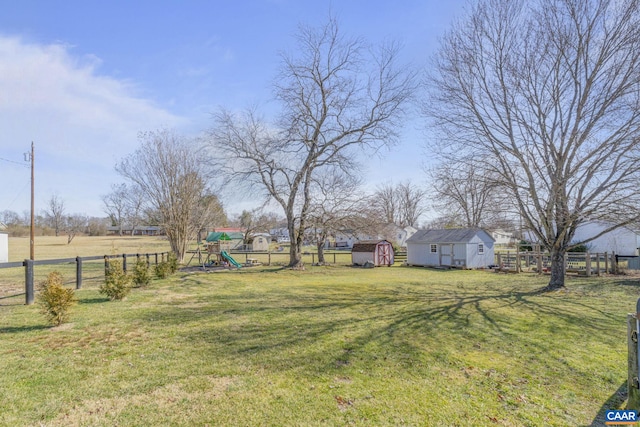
column 4, row 247
column 459, row 247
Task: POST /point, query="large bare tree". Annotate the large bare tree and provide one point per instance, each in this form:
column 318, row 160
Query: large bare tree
column 462, row 191
column 402, row 204
column 338, row 96
column 548, row 92
column 171, row 177
column 337, row 207
column 55, row 214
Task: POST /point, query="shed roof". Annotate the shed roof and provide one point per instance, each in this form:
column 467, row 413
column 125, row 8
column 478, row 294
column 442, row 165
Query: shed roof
column 367, row 245
column 454, row 235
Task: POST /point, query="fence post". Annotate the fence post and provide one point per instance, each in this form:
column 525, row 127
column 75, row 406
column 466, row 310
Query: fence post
column 606, row 263
column 106, row 265
column 587, row 264
column 124, row 262
column 334, row 257
column 78, row 272
column 28, row 281
column 269, row 258
column 148, row 261
column 633, row 385
column 313, row 258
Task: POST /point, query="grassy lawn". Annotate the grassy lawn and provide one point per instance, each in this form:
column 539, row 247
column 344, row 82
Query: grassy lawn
column 326, row 346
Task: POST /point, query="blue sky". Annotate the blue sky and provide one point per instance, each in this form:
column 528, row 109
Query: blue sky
column 82, row 78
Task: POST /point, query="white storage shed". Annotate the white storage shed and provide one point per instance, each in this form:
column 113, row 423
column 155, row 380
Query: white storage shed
column 461, row 247
column 377, row 252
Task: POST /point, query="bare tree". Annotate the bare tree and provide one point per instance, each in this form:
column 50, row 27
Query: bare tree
column 336, row 207
column 54, row 214
column 337, row 97
column 170, row 174
column 402, row 204
column 462, row 190
column 411, row 203
column 385, row 202
column 549, row 92
column 255, row 220
column 74, row 224
column 115, row 205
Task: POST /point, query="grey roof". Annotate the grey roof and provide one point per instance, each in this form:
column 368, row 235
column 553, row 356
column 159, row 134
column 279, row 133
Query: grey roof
column 454, row 235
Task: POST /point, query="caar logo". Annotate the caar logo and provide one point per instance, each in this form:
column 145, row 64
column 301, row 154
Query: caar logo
column 621, row 417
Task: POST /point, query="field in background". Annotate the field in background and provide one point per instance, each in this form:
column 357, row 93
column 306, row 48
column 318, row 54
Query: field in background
column 51, row 247
column 326, row 346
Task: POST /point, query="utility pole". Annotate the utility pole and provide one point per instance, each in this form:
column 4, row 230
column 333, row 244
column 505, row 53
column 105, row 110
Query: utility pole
column 33, row 233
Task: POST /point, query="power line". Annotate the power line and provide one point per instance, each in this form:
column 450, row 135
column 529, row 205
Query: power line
column 13, row 161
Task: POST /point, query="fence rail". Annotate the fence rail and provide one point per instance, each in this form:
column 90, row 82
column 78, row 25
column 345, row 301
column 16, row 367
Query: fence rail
column 75, row 267
column 575, row 262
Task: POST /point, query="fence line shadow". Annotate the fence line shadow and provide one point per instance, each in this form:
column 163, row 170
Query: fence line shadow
column 614, row 402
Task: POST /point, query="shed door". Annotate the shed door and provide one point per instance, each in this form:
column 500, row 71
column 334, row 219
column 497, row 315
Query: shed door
column 446, row 254
column 384, row 254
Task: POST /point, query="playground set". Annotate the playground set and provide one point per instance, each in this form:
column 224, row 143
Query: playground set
column 216, row 252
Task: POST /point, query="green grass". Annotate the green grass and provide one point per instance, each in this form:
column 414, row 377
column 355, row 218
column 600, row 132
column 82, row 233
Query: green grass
column 326, row 346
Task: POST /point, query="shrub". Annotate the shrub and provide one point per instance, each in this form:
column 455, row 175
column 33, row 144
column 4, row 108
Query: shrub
column 173, row 263
column 162, row 270
column 117, row 283
column 141, row 274
column 56, row 300
column 165, row 268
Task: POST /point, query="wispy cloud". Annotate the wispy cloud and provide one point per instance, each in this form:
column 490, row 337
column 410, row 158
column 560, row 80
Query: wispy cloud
column 81, row 122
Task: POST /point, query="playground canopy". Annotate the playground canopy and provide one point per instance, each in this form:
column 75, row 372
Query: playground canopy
column 216, row 236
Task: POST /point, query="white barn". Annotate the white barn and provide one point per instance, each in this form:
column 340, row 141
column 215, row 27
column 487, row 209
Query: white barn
column 462, row 247
column 377, row 252
column 4, row 247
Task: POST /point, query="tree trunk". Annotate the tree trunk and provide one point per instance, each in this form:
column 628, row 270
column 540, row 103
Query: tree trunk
column 295, row 254
column 557, row 269
column 320, row 246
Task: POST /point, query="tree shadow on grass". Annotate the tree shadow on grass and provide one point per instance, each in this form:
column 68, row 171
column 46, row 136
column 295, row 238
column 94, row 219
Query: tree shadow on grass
column 97, row 300
column 281, row 321
column 614, row 402
column 21, row 329
column 12, row 300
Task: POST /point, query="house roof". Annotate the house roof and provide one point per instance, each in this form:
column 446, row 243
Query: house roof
column 454, row 235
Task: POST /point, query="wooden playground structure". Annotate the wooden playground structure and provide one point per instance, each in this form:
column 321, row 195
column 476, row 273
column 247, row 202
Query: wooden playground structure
column 214, row 254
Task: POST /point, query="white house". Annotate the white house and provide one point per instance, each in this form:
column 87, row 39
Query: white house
column 503, row 238
column 623, row 241
column 4, row 247
column 462, row 247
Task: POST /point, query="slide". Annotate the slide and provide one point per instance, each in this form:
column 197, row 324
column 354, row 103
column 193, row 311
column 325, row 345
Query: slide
column 228, row 257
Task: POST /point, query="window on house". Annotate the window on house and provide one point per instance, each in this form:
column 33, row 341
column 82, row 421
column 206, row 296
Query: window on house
column 480, row 248
column 434, row 249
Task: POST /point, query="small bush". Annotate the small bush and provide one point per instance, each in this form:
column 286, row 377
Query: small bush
column 56, row 300
column 165, row 268
column 117, row 283
column 141, row 274
column 173, row 263
column 162, row 270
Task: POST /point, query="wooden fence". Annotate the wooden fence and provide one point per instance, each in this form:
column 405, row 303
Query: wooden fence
column 575, row 262
column 80, row 268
